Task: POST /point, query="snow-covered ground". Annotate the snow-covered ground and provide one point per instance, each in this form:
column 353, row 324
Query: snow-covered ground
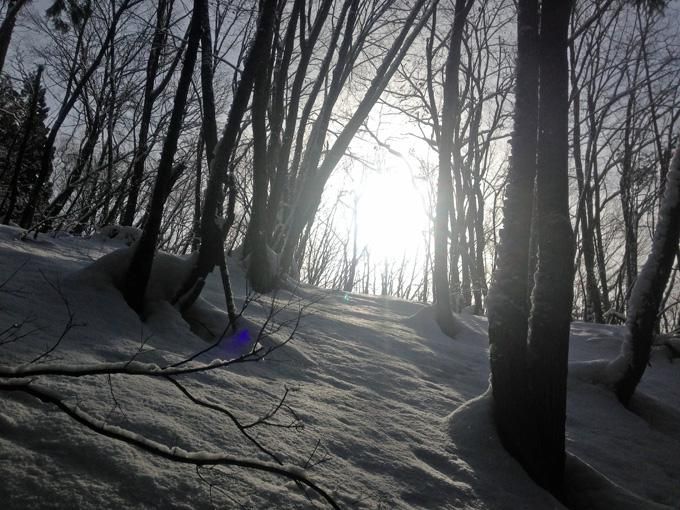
column 373, row 412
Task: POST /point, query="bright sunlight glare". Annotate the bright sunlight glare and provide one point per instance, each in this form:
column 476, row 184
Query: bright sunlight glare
column 391, row 217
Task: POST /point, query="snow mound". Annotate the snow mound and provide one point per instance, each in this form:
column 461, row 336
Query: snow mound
column 120, row 233
column 370, row 398
column 168, row 272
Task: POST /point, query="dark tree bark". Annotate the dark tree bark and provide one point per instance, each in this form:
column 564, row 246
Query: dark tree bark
column 211, row 251
column 137, row 275
column 529, row 350
column 261, row 272
column 7, row 27
column 508, row 306
column 163, row 11
column 198, row 188
column 552, row 295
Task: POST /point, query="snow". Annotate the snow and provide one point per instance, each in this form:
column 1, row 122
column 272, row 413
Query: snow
column 120, row 233
column 383, row 411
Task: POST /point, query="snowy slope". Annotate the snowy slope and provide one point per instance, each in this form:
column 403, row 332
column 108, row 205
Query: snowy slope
column 373, row 411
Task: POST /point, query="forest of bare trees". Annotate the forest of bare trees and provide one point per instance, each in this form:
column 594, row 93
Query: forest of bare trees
column 543, row 135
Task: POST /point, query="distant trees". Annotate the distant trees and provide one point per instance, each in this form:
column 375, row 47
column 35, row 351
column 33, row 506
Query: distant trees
column 298, row 177
column 464, row 67
column 625, row 108
column 284, row 198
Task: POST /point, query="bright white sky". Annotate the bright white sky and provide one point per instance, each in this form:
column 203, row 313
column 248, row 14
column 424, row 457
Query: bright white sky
column 391, row 213
column 392, row 210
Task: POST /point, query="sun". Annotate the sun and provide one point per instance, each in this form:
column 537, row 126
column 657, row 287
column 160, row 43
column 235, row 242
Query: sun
column 391, row 217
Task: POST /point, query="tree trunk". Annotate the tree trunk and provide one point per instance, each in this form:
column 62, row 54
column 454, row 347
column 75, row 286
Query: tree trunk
column 628, row 198
column 196, row 239
column 529, row 351
column 211, row 251
column 137, row 275
column 444, row 206
column 647, row 291
column 7, row 28
column 552, row 295
column 162, row 21
column 507, row 303
column 261, row 270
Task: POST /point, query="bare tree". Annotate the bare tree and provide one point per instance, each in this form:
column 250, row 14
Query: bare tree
column 151, row 94
column 75, row 86
column 648, row 290
column 137, row 276
column 444, row 208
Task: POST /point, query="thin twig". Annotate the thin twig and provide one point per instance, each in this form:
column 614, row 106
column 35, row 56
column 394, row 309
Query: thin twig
column 69, row 323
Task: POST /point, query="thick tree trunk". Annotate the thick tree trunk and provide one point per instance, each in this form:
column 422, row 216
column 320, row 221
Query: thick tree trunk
column 507, row 303
column 529, row 351
column 261, row 269
column 552, row 295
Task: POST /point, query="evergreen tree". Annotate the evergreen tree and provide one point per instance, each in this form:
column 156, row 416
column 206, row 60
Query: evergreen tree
column 22, row 137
